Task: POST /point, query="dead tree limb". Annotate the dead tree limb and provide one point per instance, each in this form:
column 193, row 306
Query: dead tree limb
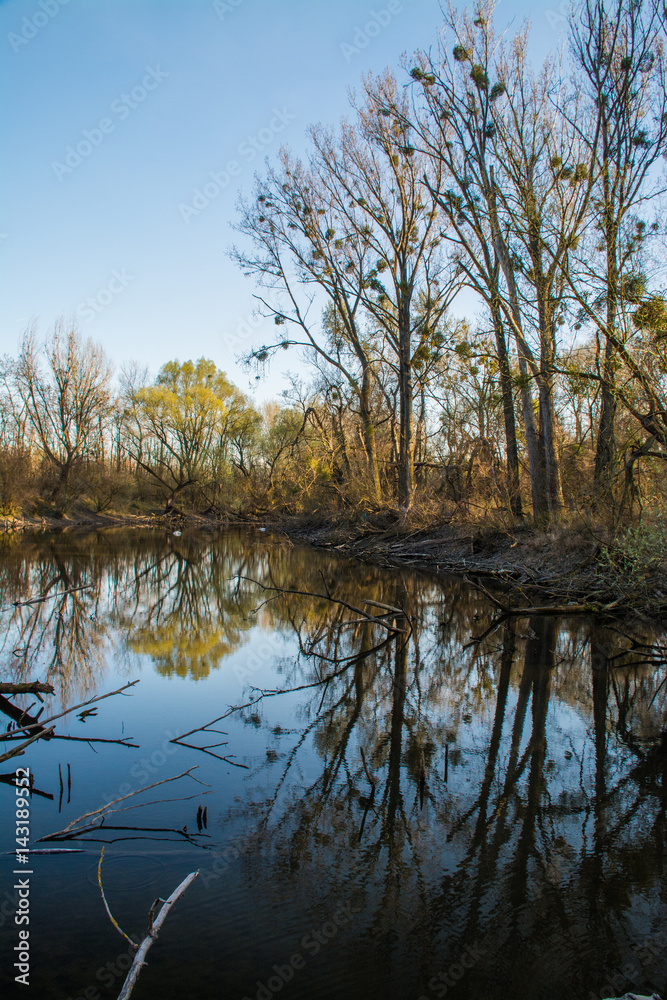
column 587, row 608
column 20, row 716
column 70, row 830
column 20, row 750
column 34, row 687
column 106, row 905
column 153, row 930
column 91, row 701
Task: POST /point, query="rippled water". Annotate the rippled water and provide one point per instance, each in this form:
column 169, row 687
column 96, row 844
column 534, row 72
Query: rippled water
column 390, row 811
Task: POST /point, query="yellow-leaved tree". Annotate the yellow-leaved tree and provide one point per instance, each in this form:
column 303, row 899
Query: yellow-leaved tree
column 185, row 424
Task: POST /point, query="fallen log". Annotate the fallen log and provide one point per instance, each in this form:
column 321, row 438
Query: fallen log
column 20, row 716
column 34, row 687
column 508, row 611
column 19, row 750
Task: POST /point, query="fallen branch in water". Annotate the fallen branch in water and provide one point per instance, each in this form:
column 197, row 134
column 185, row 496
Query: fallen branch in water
column 34, row 687
column 154, row 926
column 91, row 701
column 106, row 905
column 20, row 750
column 21, row 717
column 71, row 831
column 508, row 611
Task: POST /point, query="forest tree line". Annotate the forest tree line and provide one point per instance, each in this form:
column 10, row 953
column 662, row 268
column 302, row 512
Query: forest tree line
column 533, row 195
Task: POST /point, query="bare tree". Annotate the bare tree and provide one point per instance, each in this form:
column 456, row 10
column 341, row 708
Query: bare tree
column 457, row 130
column 64, row 387
column 299, row 252
column 618, row 49
column 373, row 173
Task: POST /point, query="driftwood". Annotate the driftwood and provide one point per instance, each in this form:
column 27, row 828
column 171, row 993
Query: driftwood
column 73, row 829
column 91, row 701
column 20, row 716
column 587, row 608
column 20, row 750
column 34, row 687
column 154, row 925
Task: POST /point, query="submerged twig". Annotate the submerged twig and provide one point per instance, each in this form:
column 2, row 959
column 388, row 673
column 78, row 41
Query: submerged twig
column 106, row 905
column 19, row 750
column 153, row 929
column 70, row 829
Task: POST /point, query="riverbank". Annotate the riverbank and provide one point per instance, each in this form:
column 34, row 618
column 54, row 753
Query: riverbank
column 566, row 565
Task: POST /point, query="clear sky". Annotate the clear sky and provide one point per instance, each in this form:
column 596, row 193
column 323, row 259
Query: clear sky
column 115, row 112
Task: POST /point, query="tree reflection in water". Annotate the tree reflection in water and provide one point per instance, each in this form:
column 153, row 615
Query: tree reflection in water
column 511, row 798
column 509, row 795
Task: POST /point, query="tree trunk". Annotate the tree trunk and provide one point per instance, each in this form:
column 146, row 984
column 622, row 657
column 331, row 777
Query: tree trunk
column 534, row 446
column 406, row 441
column 605, row 447
column 506, row 389
column 551, row 462
column 369, row 432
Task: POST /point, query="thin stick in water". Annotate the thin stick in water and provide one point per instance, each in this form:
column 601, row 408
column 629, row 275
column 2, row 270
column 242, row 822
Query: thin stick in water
column 153, row 929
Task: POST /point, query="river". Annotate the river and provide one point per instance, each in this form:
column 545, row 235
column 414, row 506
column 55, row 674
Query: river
column 393, row 809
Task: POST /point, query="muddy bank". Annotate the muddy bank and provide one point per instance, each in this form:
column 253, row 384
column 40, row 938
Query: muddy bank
column 524, row 567
column 564, row 565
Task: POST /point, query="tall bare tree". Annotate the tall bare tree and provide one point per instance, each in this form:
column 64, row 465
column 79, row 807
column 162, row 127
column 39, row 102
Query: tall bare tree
column 305, row 260
column 457, row 129
column 374, row 177
column 618, row 51
column 64, row 385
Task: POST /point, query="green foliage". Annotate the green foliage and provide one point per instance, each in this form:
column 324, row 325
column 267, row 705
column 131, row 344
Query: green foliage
column 479, row 76
column 189, row 413
column 633, row 287
column 652, row 316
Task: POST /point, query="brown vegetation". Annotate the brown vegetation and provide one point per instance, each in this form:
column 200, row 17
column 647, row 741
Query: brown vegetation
column 532, row 188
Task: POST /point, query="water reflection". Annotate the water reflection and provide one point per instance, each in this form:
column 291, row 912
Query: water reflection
column 502, row 801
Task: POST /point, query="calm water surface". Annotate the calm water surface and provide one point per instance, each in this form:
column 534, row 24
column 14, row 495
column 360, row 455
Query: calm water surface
column 388, row 814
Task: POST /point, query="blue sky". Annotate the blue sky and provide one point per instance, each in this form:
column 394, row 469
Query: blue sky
column 116, row 111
